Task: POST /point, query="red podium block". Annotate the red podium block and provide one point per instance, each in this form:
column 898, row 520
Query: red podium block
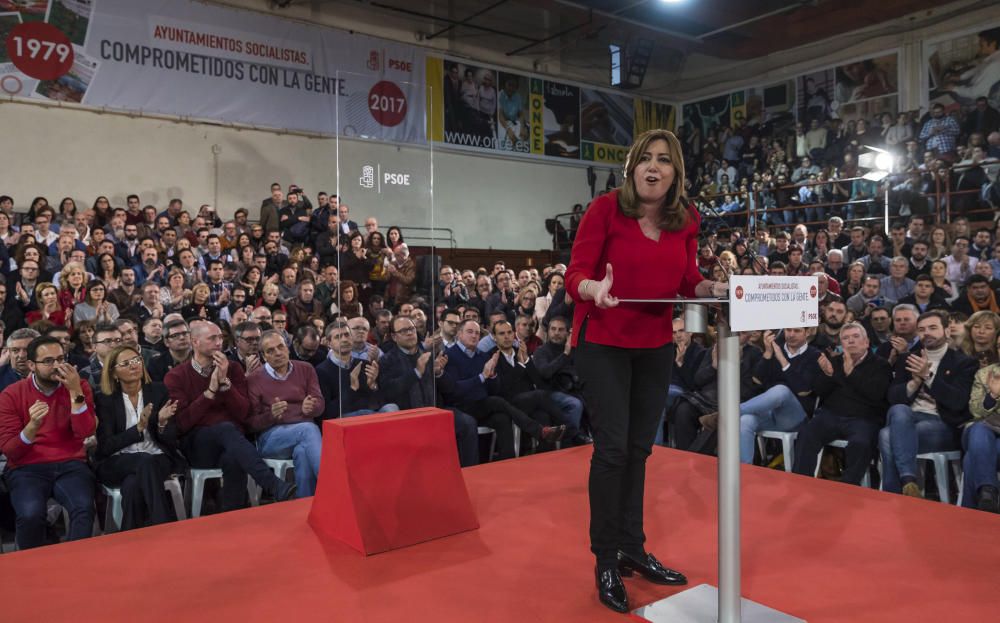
column 392, row 480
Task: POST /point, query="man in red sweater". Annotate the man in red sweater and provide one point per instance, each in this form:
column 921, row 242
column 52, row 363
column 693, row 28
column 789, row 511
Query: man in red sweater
column 213, row 412
column 43, row 422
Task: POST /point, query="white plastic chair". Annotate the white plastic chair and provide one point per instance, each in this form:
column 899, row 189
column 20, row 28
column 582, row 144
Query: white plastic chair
column 866, row 480
column 787, row 445
column 280, row 467
column 113, row 509
column 195, row 488
column 941, row 461
column 486, row 430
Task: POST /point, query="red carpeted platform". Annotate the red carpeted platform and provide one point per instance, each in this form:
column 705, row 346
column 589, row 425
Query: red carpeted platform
column 819, row 550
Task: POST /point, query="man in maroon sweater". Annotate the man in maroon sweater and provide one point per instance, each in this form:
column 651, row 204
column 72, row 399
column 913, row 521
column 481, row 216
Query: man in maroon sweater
column 43, row 422
column 213, row 410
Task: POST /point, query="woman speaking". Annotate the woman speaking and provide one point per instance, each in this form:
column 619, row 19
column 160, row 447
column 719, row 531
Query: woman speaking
column 639, row 241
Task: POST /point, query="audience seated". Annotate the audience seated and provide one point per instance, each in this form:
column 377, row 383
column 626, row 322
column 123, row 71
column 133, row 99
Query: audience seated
column 137, row 448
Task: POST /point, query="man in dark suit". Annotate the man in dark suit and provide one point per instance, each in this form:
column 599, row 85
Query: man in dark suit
column 407, row 374
column 852, row 390
column 269, row 208
column 930, row 404
column 346, row 224
column 469, row 382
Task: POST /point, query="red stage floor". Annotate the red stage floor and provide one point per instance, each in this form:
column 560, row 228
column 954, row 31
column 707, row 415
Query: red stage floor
column 819, row 550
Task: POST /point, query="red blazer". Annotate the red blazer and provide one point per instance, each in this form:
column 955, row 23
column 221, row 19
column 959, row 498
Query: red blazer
column 643, row 269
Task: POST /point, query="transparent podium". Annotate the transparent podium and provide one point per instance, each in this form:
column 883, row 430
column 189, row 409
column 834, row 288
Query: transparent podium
column 706, row 603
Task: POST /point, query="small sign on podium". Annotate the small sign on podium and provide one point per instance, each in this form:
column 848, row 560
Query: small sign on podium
column 764, row 302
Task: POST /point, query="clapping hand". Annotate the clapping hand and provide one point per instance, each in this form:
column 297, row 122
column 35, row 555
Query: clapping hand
column 279, row 407
column 422, row 363
column 166, row 412
column 825, row 365
column 848, row 364
column 919, row 367
column 490, row 368
column 371, row 372
column 356, row 376
column 143, row 422
column 309, row 404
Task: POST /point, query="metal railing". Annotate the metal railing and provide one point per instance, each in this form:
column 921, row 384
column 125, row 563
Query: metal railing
column 431, row 236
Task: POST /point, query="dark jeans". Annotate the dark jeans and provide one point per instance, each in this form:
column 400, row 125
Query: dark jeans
column 71, row 483
column 684, row 418
column 981, row 462
column 224, row 446
column 140, row 477
column 861, row 435
column 626, row 390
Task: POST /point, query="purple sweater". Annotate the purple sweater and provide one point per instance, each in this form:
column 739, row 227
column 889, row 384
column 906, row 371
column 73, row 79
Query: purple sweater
column 265, row 390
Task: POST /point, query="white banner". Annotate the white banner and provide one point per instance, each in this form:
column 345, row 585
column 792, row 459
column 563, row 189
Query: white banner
column 760, row 303
column 190, row 59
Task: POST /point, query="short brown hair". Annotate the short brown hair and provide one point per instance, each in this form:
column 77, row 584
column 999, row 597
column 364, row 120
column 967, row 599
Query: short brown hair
column 673, row 214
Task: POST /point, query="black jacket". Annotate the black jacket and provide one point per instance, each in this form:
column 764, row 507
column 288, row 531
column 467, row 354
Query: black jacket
column 950, row 387
column 113, row 435
column 862, row 394
column 399, row 382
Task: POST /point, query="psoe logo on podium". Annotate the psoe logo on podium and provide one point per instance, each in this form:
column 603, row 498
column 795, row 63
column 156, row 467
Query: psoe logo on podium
column 763, row 302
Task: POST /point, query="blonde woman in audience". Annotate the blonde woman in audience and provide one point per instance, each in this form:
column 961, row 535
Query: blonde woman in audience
column 136, row 439
column 49, row 307
column 72, row 285
column 980, row 341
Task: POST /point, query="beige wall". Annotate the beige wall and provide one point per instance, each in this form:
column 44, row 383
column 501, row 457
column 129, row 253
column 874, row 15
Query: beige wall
column 488, row 202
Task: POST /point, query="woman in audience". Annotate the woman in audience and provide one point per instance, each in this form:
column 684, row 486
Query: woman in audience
column 83, row 338
column 253, row 283
column 855, row 279
column 67, row 214
column 980, row 342
column 47, row 296
column 394, row 237
column 95, row 306
column 356, row 264
column 943, row 287
column 981, row 442
column 102, row 212
column 350, row 306
column 939, row 245
column 484, row 288
column 136, row 439
column 7, row 234
column 198, row 307
column 552, row 284
column 182, row 224
column 108, row 270
column 818, row 247
column 174, row 296
column 269, row 297
column 956, row 329
column 72, row 285
column 36, row 204
column 28, row 249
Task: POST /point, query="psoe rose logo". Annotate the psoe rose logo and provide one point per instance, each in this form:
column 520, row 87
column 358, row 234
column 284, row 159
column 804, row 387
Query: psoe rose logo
column 812, row 292
column 739, row 292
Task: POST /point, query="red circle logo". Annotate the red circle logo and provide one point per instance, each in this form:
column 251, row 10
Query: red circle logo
column 387, row 103
column 40, row 50
column 739, row 292
column 812, row 291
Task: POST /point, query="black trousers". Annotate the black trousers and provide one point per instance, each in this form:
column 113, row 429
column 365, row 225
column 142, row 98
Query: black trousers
column 224, row 446
column 626, row 391
column 498, row 413
column 140, row 476
column 684, row 419
column 861, row 435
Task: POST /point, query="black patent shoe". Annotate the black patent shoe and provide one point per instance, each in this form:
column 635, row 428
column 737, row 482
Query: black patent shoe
column 650, row 568
column 611, row 589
